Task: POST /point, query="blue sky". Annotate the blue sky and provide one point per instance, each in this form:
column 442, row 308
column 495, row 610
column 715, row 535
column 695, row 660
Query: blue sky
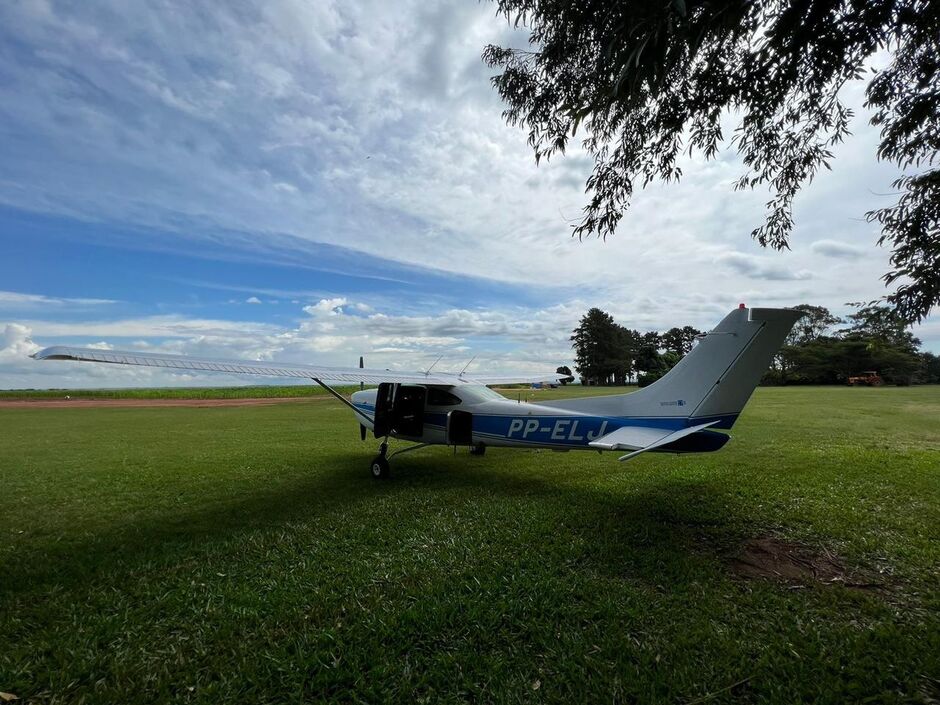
column 314, row 181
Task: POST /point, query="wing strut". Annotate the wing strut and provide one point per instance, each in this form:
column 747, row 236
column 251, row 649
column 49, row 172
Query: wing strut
column 343, row 399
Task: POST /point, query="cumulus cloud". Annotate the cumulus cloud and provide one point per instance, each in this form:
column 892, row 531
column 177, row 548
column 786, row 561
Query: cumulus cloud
column 16, row 343
column 372, row 126
column 761, row 267
column 252, row 300
column 328, row 334
column 837, row 248
column 502, row 340
column 293, row 120
column 330, row 307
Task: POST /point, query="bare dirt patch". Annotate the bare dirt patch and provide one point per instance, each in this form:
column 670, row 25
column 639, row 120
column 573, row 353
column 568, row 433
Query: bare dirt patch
column 796, row 565
column 117, row 403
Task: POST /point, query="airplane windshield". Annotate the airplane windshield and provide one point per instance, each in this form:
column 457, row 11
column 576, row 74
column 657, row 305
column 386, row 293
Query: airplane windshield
column 477, row 393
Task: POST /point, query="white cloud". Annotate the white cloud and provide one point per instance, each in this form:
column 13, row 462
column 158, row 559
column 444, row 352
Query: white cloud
column 16, row 343
column 169, row 326
column 371, row 125
column 837, row 248
column 13, row 299
column 327, row 334
column 501, row 340
column 764, row 268
column 252, row 300
column 330, row 307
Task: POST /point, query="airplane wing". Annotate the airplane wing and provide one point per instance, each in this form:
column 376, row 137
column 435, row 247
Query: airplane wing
column 641, row 439
column 271, row 369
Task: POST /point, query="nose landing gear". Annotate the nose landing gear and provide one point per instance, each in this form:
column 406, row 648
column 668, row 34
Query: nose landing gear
column 380, row 467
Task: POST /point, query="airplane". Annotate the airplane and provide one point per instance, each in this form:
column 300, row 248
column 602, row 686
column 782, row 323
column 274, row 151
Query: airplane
column 682, row 412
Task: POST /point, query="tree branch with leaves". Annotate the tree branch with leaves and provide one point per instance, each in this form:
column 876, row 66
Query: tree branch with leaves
column 650, row 81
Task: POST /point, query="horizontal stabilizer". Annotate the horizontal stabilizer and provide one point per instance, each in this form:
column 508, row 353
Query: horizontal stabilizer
column 641, row 439
column 630, row 438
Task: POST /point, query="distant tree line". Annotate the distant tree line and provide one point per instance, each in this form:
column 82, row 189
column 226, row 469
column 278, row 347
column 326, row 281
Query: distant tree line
column 825, row 349
column 821, row 349
column 609, row 353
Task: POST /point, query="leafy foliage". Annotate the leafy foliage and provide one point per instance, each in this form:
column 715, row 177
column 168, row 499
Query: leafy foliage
column 877, row 339
column 679, row 340
column 879, row 323
column 649, row 81
column 608, row 353
column 814, row 324
column 604, row 350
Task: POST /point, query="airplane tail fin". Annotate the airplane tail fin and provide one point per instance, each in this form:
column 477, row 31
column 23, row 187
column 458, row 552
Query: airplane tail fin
column 714, row 381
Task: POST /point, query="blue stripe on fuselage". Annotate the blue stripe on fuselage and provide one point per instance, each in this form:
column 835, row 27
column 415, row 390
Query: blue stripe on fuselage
column 573, row 430
column 566, row 430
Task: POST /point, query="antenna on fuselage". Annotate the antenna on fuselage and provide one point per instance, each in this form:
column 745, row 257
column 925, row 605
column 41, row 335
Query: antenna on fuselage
column 432, row 365
column 466, row 366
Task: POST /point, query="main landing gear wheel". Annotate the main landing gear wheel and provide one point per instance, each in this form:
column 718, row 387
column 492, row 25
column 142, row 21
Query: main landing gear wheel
column 478, row 449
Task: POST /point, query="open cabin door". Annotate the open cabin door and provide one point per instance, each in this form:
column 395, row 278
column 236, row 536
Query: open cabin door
column 399, row 410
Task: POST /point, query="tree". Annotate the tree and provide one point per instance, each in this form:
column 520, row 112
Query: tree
column 930, row 368
column 648, row 358
column 881, row 324
column 627, row 346
column 651, row 80
column 816, row 321
column 565, row 370
column 595, row 346
column 679, row 341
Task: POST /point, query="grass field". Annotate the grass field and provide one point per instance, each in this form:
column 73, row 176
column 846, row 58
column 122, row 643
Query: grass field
column 244, row 555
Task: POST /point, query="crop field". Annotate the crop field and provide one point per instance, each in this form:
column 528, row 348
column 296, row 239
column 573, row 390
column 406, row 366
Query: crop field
column 245, row 555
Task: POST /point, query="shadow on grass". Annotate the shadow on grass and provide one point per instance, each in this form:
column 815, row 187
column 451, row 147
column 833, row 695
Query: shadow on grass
column 648, row 533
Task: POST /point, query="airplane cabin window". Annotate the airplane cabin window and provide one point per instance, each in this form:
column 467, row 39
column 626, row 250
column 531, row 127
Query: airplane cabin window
column 477, row 393
column 438, row 397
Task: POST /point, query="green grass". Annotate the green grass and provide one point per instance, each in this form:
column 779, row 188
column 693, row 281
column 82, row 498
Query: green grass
column 244, row 555
column 253, row 392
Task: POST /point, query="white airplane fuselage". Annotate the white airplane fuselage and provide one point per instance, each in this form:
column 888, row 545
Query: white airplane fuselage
column 501, row 422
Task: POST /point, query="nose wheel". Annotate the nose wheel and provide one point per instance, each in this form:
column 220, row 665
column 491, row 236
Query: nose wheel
column 380, row 468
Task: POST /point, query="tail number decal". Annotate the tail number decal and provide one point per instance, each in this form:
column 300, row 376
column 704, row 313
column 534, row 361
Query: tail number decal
column 559, row 430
